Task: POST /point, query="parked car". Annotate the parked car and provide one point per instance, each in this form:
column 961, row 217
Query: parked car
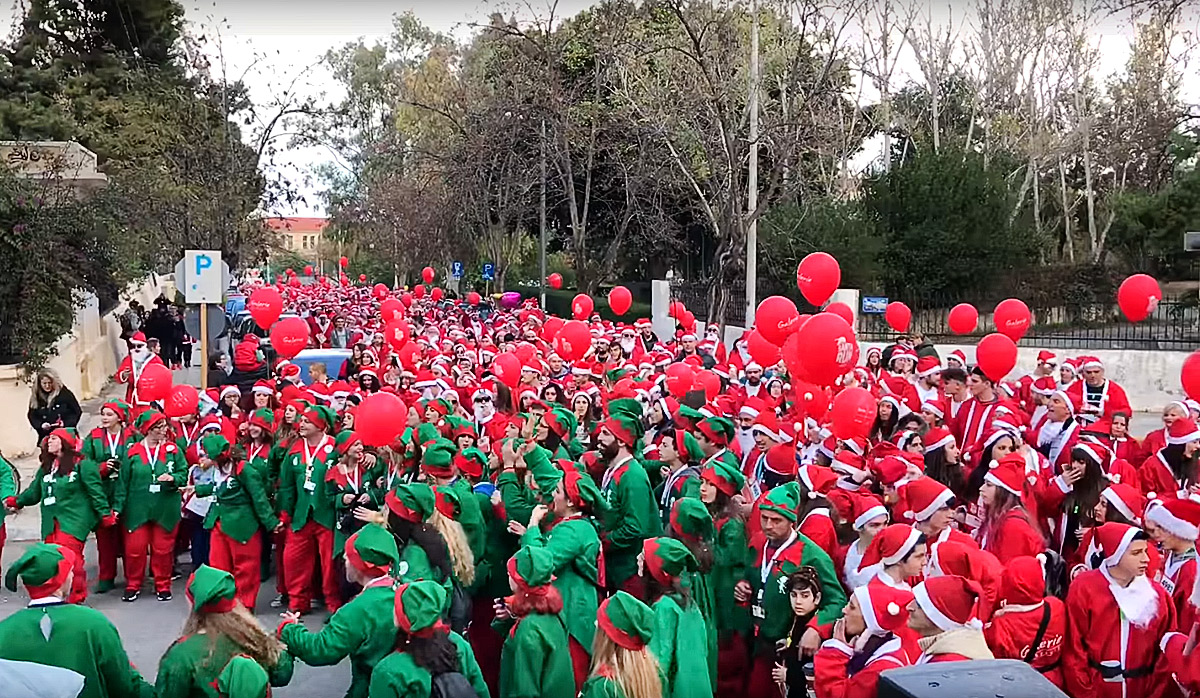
column 332, row 358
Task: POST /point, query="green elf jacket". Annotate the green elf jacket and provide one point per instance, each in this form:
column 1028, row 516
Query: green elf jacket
column 535, row 661
column 470, row 517
column 102, row 449
column 772, row 595
column 8, row 486
column 701, row 588
column 680, row 645
column 239, row 504
column 362, row 630
column 303, row 494
column 141, row 498
column 519, row 500
column 576, row 549
column 74, row 501
column 729, row 568
column 338, row 485
column 190, row 667
column 398, row 676
column 632, row 517
column 684, row 483
column 601, row 685
column 80, row 639
column 491, row 579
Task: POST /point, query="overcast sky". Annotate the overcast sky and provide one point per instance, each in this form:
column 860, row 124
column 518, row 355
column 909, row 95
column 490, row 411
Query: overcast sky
column 276, row 41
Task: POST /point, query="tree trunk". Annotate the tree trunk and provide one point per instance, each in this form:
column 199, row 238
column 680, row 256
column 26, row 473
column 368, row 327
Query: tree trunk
column 1066, row 211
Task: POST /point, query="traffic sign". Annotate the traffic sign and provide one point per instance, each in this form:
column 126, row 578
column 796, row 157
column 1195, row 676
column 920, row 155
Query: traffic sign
column 489, row 271
column 215, row 327
column 456, row 270
column 202, row 276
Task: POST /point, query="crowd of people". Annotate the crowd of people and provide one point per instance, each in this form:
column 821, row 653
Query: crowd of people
column 602, row 527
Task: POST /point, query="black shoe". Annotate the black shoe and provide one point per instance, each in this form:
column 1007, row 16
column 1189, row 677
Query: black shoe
column 164, row 596
column 176, row 574
column 279, row 601
column 130, row 596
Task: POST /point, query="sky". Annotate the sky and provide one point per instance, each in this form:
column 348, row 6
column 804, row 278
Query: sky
column 275, row 45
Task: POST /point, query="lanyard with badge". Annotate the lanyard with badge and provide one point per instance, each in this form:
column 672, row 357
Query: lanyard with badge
column 309, row 485
column 152, row 459
column 765, row 573
column 48, row 481
column 113, row 441
column 255, row 451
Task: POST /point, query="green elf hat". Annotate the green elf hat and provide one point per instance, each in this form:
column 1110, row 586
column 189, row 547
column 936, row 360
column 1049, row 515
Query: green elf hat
column 471, row 462
column 264, row 419
column 210, row 590
column 667, row 559
column 531, row 567
column 718, row 430
column 626, row 429
column 418, row 607
column 582, row 492
column 690, row 413
column 427, row 432
column 372, row 550
column 629, row 623
column 447, row 501
column 413, row 502
column 321, row 417
column 43, row 569
column 688, row 447
column 345, row 439
column 690, row 520
column 214, row 445
column 242, row 677
column 437, row 458
column 783, row 500
column 545, row 474
column 461, row 427
column 725, row 477
column 148, row 420
column 615, row 374
column 561, row 422
column 627, row 406
column 438, row 405
column 120, row 407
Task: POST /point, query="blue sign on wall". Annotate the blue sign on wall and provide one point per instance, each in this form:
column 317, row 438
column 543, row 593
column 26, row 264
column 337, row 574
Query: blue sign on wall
column 874, row 305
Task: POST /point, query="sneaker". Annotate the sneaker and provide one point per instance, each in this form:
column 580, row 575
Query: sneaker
column 176, row 574
column 164, row 596
column 131, row 596
column 279, row 601
column 104, row 586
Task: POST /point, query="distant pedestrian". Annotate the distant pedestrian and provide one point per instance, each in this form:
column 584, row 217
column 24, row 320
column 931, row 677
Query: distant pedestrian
column 52, row 405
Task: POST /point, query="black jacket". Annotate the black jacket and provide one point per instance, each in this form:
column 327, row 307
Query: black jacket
column 64, row 408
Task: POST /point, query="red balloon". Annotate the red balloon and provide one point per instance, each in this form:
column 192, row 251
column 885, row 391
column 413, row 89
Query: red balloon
column 418, row 292
column 406, row 299
column 183, row 400
column 344, row 262
column 289, row 336
column 676, row 309
column 818, row 275
column 290, row 272
column 764, row 352
column 1189, row 376
column 436, row 294
column 776, row 319
column 380, row 291
column 688, row 320
column 473, row 298
column 379, row 419
column 573, row 340
column 362, row 278
column 842, row 310
column 996, row 355
column 1138, row 297
column 620, row 300
column 815, row 400
column 554, row 281
column 680, row 378
column 828, row 348
column 294, row 282
column 852, row 414
column 345, row 281
column 964, row 318
column 507, row 369
column 709, row 382
column 581, row 306
column 1012, row 319
column 551, row 328
column 526, row 352
column 409, row 355
column 898, row 316
column 308, row 270
column 154, row 383
column 427, row 275
column 265, row 305
column 397, row 333
column 391, row 309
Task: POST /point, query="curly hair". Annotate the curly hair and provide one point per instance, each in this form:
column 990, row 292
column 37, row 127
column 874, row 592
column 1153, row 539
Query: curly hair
column 461, row 558
column 240, row 627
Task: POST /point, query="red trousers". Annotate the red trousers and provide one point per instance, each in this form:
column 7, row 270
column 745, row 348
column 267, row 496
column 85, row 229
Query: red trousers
column 581, row 662
column 109, row 545
column 161, row 544
column 733, row 656
column 242, row 560
column 486, row 642
column 79, row 579
column 312, row 543
column 280, row 544
column 759, row 683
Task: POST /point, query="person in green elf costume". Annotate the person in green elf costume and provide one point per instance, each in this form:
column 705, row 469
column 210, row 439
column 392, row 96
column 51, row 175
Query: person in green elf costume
column 680, row 640
column 83, row 644
column 514, row 480
column 148, row 501
column 437, row 460
column 217, row 629
column 306, row 507
column 243, row 677
column 679, row 452
column 71, row 498
column 632, row 515
column 362, row 629
column 287, row 421
column 106, row 446
column 622, row 664
column 777, row 551
column 423, row 552
column 533, row 663
column 8, row 490
column 348, row 477
column 237, row 516
column 423, row 647
column 557, row 433
column 259, row 441
column 714, row 434
column 692, row 525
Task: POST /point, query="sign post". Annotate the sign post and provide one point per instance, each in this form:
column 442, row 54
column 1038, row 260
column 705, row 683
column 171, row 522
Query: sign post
column 489, row 273
column 203, row 277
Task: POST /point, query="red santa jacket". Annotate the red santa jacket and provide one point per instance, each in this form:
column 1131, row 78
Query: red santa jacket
column 899, row 387
column 972, row 423
column 1112, row 400
column 1157, row 478
column 1012, row 536
column 831, row 675
column 1183, row 667
column 1178, row 577
column 127, row 374
column 1014, row 628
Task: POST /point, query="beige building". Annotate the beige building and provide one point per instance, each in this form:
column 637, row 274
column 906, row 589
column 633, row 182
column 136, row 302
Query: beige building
column 302, row 236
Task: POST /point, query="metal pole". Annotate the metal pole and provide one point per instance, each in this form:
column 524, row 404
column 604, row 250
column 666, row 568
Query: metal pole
column 203, row 346
column 542, row 222
column 752, row 178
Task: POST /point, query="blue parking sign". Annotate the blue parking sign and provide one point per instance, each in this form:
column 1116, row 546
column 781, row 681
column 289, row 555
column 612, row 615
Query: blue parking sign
column 456, row 270
column 489, row 271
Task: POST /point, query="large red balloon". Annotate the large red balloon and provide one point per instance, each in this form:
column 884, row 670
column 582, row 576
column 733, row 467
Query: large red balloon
column 507, row 369
column 676, row 309
column 818, row 276
column 573, row 340
column 842, row 310
column 406, row 299
column 898, row 316
column 620, row 300
column 308, row 270
column 764, row 352
column 526, row 352
column 1138, row 297
column 154, row 383
column 776, row 319
column 709, row 382
column 436, row 294
column 680, row 378
column 397, row 333
column 380, row 291
column 183, row 400
column 1189, row 376
column 793, row 359
column 964, row 318
column 265, row 305
column 418, row 291
column 409, row 355
column 344, row 262
column 473, row 298
column 391, row 309
column 996, row 355
column 852, row 414
column 379, row 419
column 289, row 336
column 551, row 328
column 427, row 275
column 1012, row 318
column 829, row 348
column 554, row 281
column 581, row 306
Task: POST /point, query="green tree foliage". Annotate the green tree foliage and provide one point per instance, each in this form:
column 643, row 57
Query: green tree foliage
column 843, row 228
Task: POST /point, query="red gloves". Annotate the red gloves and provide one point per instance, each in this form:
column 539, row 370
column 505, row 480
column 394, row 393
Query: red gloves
column 108, row 520
column 10, row 502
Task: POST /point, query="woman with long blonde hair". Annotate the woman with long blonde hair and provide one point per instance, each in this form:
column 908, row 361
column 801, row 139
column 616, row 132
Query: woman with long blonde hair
column 622, row 666
column 444, row 519
column 52, row 405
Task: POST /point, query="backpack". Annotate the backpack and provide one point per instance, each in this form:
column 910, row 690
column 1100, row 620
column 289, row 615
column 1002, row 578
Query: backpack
column 451, row 684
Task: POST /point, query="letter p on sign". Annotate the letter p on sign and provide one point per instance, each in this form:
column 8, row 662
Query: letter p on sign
column 203, row 280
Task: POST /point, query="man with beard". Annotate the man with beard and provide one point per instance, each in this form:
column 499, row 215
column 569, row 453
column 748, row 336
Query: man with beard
column 687, row 347
column 631, row 348
column 632, row 515
column 131, row 369
column 488, row 422
column 751, row 387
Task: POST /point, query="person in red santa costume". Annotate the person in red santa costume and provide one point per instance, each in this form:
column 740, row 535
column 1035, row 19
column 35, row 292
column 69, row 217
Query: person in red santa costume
column 131, row 368
column 969, row 562
column 1175, row 524
column 864, row 644
column 1047, row 364
column 1158, row 438
column 1096, row 396
column 1058, row 432
column 1171, row 472
column 897, row 381
column 974, row 418
column 1028, row 625
column 1007, row 530
column 945, row 614
column 931, row 507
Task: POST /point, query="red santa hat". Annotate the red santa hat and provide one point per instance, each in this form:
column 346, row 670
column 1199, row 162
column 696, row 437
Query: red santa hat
column 1127, row 500
column 1008, row 473
column 228, row 390
column 137, row 339
column 1046, row 357
column 865, row 509
column 928, row 365
column 890, row 470
column 848, row 462
column 1071, row 365
column 925, row 496
column 958, row 356
column 1114, row 539
column 781, row 459
column 936, row 406
column 890, row 546
column 884, row 608
column 263, row 387
column 938, row 437
column 1044, row 386
column 1182, row 431
column 1066, row 398
column 1089, row 362
column 856, row 444
column 1179, row 517
column 766, row 424
column 950, row 602
column 901, row 352
column 1023, row 582
column 817, row 479
column 752, row 407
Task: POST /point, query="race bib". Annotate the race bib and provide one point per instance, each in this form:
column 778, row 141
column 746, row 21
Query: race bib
column 155, row 488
